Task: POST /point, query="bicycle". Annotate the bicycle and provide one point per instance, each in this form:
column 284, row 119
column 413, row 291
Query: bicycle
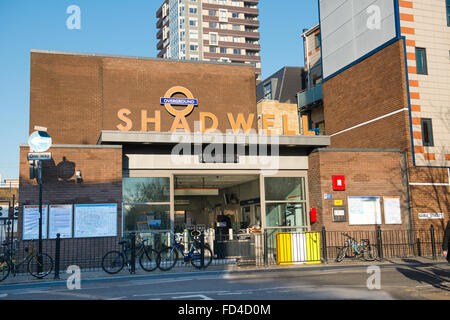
column 114, row 261
column 38, row 265
column 364, row 249
column 168, row 256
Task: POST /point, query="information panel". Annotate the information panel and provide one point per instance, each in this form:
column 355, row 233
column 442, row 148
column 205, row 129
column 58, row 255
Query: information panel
column 351, row 29
column 95, row 220
column 60, row 221
column 392, row 210
column 364, row 210
column 31, row 222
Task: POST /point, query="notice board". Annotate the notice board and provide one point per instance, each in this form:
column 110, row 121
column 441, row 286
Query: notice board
column 31, row 222
column 392, row 210
column 95, row 220
column 364, row 210
column 60, row 221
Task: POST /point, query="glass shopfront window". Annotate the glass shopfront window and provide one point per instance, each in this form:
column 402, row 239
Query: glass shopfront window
column 145, row 190
column 285, row 202
column 285, row 214
column 146, row 217
column 146, row 204
column 285, row 189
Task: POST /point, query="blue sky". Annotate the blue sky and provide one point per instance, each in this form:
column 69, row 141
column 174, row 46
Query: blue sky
column 125, row 27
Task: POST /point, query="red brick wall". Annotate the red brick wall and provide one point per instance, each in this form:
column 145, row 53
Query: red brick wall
column 76, row 96
column 366, row 174
column 101, row 170
column 370, row 89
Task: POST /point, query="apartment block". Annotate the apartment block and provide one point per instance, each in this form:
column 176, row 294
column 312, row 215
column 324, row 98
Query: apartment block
column 210, row 30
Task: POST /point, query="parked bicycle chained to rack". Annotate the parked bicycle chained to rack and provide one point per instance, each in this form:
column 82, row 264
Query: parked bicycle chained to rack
column 114, row 261
column 33, row 260
column 168, row 256
column 364, row 249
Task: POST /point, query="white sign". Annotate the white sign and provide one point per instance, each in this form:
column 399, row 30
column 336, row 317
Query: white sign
column 39, row 141
column 95, row 220
column 39, row 156
column 60, row 221
column 31, row 222
column 350, row 29
column 433, row 215
column 364, row 210
column 392, row 210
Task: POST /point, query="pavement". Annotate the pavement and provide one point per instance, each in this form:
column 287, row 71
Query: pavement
column 412, row 278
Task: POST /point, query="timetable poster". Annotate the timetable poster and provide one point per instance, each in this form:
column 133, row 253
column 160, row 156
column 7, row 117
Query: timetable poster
column 31, row 222
column 364, row 210
column 60, row 221
column 95, row 220
column 392, row 210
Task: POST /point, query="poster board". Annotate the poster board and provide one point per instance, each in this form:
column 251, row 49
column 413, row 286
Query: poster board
column 364, row 210
column 392, row 210
column 60, row 221
column 95, row 220
column 30, row 230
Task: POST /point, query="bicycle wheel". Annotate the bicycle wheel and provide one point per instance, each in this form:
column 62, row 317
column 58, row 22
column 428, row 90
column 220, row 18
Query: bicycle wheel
column 341, row 255
column 40, row 265
column 5, row 268
column 370, row 253
column 149, row 260
column 113, row 262
column 167, row 258
column 196, row 259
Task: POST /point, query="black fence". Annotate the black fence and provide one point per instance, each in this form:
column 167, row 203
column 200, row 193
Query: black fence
column 259, row 249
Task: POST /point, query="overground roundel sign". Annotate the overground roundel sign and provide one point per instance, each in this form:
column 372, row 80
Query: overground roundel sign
column 189, row 101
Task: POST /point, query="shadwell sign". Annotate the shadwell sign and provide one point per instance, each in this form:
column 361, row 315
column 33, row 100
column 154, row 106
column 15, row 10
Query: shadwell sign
column 180, row 108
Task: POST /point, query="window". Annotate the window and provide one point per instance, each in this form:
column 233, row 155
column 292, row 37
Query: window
column 268, row 91
column 213, row 25
column 235, row 15
column 192, row 10
column 193, row 34
column 421, row 61
column 213, row 39
column 317, row 39
column 223, row 38
column 223, row 26
column 223, row 50
column 212, row 12
column 236, row 27
column 193, row 47
column 192, row 23
column 146, row 204
column 236, row 39
column 236, row 51
column 224, row 2
column 223, row 15
column 427, row 133
column 194, row 58
column 235, row 3
column 448, row 12
column 285, row 202
column 213, row 49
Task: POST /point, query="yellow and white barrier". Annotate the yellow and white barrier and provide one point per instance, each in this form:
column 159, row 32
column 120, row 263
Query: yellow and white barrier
column 298, row 248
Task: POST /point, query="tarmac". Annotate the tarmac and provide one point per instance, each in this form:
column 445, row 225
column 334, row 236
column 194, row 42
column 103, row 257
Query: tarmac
column 26, row 280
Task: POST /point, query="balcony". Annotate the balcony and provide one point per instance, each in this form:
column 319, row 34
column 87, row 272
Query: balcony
column 310, row 97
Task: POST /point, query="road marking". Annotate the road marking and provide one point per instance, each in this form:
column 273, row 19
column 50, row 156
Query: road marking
column 175, row 293
column 201, row 296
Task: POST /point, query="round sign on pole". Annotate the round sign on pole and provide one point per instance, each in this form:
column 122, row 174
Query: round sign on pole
column 39, row 141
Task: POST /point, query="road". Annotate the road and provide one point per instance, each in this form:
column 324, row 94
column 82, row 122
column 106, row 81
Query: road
column 330, row 283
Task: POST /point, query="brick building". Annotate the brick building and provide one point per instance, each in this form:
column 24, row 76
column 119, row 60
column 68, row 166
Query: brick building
column 393, row 95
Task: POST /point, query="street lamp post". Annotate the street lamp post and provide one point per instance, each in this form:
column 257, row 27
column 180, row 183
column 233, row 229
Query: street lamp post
column 39, row 178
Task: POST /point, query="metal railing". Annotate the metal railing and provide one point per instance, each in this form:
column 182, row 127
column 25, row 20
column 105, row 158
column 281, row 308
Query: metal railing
column 309, row 96
column 271, row 247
